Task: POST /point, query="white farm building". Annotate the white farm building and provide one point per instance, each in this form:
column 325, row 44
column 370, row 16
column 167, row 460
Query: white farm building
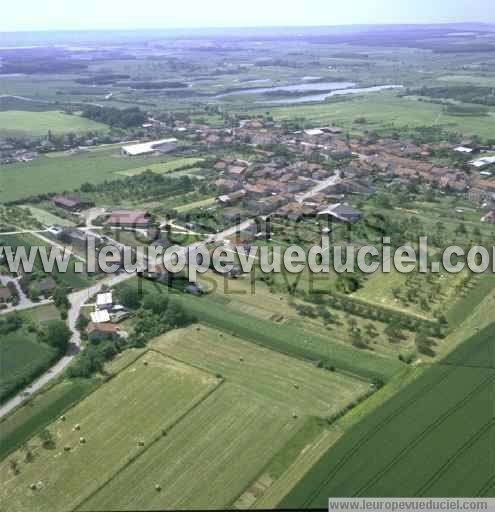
column 146, row 148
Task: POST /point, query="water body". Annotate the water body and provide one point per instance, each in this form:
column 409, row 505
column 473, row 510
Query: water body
column 316, row 98
column 322, row 86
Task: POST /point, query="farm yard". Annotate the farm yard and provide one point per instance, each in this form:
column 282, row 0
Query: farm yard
column 16, row 123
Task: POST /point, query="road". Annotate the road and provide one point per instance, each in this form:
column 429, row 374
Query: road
column 77, row 300
column 322, row 185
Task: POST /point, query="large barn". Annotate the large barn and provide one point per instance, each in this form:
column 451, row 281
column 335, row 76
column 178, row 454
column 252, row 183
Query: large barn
column 147, row 148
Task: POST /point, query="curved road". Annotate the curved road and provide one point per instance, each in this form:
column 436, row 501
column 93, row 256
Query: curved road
column 77, row 300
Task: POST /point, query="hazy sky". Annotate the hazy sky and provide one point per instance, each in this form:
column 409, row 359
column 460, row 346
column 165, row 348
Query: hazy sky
column 124, row 14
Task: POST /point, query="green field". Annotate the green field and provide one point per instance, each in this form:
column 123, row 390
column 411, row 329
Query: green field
column 22, row 358
column 21, row 123
column 163, row 168
column 448, row 411
column 48, row 218
column 133, row 407
column 71, row 278
column 284, row 338
column 65, row 173
column 319, row 392
column 208, row 460
column 386, row 109
column 17, row 428
column 216, row 466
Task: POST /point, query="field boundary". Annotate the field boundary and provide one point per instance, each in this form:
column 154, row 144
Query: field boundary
column 430, row 428
column 417, row 396
column 468, row 444
column 100, row 382
column 157, row 438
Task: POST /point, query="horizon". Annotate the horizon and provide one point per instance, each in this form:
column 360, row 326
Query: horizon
column 253, row 27
column 59, row 15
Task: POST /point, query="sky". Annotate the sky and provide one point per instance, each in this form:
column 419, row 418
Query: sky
column 31, row 15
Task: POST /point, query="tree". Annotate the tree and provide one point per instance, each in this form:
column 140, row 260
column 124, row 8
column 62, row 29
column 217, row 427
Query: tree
column 60, row 298
column 57, row 335
column 129, row 297
column 14, row 466
column 46, row 438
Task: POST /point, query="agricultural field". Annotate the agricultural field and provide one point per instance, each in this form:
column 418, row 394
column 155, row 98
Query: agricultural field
column 385, row 110
column 22, row 123
column 208, row 460
column 171, row 166
column 47, row 218
column 448, row 409
column 66, row 173
column 70, row 278
column 286, row 339
column 269, row 402
column 22, row 358
column 105, row 431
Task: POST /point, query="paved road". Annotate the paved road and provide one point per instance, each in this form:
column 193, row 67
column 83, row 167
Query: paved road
column 77, row 300
column 322, row 185
column 24, row 301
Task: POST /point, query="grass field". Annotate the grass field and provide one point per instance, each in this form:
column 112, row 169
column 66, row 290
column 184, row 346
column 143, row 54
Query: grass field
column 386, row 109
column 163, row 168
column 22, row 358
column 204, row 203
column 319, row 392
column 208, row 460
column 70, row 278
column 448, row 411
column 21, row 123
column 282, row 338
column 65, row 173
column 48, row 218
column 133, row 407
column 217, row 466
column 17, row 428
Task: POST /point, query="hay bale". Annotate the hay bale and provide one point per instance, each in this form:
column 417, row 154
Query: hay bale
column 82, row 440
column 77, row 426
column 62, row 418
column 145, row 363
column 140, row 442
column 241, row 359
column 296, row 386
column 294, row 415
column 33, row 487
column 66, row 448
column 158, row 487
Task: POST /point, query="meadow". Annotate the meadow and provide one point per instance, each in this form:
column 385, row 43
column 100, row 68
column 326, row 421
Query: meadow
column 174, row 165
column 300, row 385
column 65, row 173
column 171, row 403
column 286, row 339
column 207, row 460
column 22, row 123
column 22, row 358
column 71, row 278
column 448, row 411
column 74, row 457
column 385, row 110
column 269, row 402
